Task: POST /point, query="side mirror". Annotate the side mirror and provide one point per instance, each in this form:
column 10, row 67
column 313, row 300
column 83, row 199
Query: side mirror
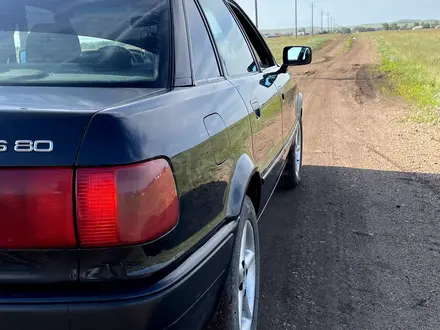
column 297, row 55
column 268, row 79
column 22, row 56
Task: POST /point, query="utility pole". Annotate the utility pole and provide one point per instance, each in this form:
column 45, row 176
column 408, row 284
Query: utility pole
column 322, row 20
column 256, row 13
column 328, row 22
column 313, row 7
column 296, row 18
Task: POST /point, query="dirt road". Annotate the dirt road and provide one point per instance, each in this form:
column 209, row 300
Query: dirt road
column 357, row 245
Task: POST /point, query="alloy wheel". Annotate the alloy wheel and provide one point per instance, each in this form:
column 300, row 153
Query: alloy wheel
column 247, row 278
column 298, row 150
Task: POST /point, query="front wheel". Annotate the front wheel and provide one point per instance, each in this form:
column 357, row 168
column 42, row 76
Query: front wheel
column 238, row 309
column 292, row 172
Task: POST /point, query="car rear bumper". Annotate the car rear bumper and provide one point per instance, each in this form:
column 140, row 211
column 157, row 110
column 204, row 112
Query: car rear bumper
column 185, row 299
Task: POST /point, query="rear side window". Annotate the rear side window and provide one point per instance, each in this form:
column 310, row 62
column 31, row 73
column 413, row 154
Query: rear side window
column 262, row 52
column 35, row 15
column 231, row 43
column 76, row 42
column 204, row 61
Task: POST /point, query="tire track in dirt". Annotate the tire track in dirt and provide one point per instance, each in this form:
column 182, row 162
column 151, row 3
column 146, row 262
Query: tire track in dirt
column 356, row 245
column 341, row 96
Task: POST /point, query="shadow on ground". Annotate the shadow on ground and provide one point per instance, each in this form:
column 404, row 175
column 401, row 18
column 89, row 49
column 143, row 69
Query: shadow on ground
column 352, row 249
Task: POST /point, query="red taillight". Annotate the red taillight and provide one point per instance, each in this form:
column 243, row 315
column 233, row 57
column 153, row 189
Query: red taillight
column 125, row 205
column 36, row 208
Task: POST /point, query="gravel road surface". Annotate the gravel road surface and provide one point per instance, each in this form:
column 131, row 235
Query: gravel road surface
column 357, row 245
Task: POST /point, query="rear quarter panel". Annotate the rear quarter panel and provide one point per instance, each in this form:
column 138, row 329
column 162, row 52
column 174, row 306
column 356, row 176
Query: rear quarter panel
column 172, row 126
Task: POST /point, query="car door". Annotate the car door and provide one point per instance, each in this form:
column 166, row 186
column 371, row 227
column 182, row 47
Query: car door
column 261, row 98
column 287, row 87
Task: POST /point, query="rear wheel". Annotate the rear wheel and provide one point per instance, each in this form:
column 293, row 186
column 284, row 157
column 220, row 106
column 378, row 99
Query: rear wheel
column 292, row 172
column 238, row 309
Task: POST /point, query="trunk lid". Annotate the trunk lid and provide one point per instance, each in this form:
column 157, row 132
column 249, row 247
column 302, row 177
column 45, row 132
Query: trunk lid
column 44, row 126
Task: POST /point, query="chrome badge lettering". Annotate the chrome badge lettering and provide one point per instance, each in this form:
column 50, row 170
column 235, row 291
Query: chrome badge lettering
column 28, row 146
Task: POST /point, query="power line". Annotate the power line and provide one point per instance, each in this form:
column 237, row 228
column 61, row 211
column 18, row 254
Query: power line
column 296, row 18
column 331, row 23
column 256, row 13
column 328, row 22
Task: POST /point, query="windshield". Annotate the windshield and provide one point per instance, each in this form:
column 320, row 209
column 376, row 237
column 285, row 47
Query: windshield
column 84, row 42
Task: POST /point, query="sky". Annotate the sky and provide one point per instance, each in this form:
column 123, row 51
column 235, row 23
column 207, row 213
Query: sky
column 279, row 14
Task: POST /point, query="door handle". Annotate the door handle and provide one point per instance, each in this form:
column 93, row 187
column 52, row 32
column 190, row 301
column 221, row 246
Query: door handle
column 256, row 107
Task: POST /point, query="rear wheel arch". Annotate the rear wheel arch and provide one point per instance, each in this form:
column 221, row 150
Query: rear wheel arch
column 245, row 181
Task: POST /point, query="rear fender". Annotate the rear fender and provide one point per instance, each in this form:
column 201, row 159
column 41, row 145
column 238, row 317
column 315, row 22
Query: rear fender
column 244, row 170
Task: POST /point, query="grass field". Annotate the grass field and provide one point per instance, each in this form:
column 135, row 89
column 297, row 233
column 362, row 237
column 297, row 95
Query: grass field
column 316, row 42
column 411, row 60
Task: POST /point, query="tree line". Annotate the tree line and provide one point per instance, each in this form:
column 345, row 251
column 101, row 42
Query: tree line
column 391, row 26
column 396, row 26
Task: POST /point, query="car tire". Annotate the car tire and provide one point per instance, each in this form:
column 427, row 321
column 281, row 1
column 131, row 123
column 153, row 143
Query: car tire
column 291, row 176
column 243, row 283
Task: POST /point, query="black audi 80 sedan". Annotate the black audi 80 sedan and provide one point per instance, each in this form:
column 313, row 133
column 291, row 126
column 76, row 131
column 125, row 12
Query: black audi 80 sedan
column 140, row 142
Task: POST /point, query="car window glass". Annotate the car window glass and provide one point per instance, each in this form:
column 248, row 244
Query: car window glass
column 35, row 15
column 260, row 62
column 80, row 42
column 231, row 43
column 263, row 54
column 203, row 57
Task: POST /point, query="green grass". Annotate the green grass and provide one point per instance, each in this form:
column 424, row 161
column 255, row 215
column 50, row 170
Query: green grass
column 348, row 43
column 316, row 42
column 411, row 60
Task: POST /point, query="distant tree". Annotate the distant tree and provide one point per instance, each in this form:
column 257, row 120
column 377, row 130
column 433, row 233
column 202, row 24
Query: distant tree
column 435, row 24
column 404, row 27
column 386, row 26
column 360, row 29
column 426, row 25
column 416, row 24
column 394, row 26
column 346, row 30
